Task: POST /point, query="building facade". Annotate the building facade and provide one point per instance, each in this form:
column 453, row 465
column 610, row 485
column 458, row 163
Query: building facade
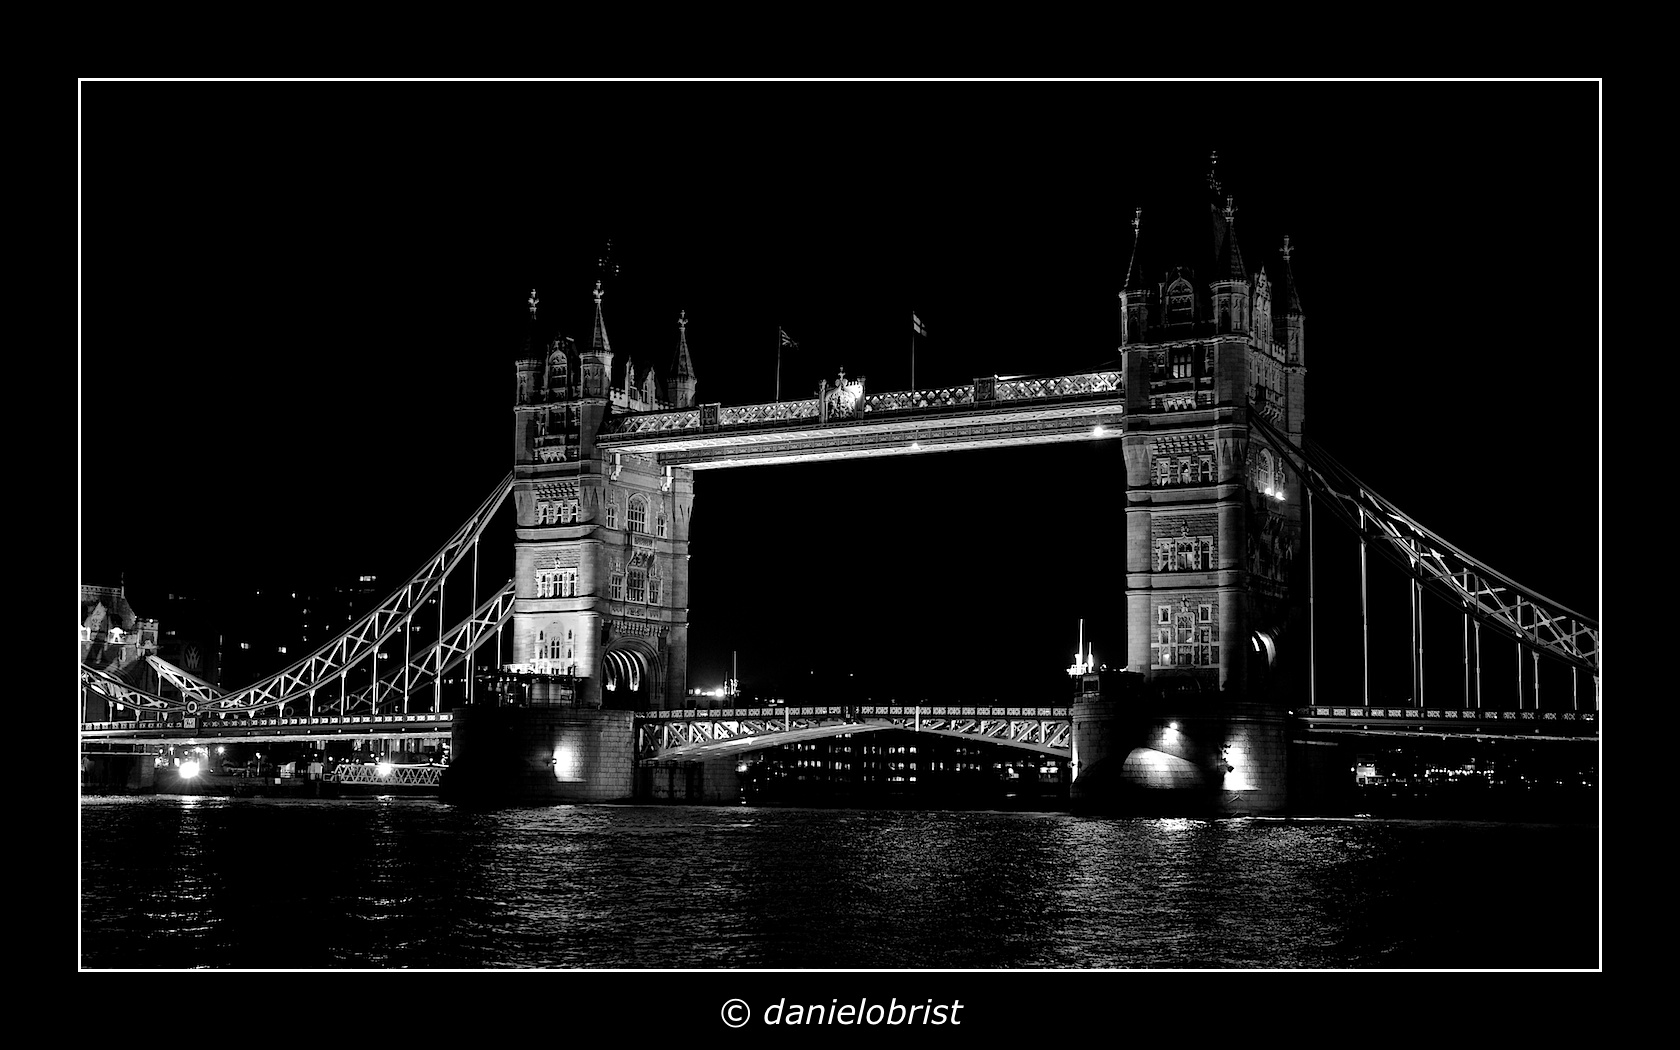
column 601, row 543
column 1215, row 563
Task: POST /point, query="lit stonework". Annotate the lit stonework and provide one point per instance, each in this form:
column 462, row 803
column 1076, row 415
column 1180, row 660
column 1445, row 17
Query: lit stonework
column 601, row 577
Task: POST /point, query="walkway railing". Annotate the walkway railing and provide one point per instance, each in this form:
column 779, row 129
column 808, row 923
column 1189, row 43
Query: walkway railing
column 986, row 391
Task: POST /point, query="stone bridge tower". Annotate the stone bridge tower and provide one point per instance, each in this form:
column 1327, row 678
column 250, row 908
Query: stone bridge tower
column 1215, row 553
column 601, row 545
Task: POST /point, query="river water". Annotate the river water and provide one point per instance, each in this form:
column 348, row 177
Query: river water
column 187, row 882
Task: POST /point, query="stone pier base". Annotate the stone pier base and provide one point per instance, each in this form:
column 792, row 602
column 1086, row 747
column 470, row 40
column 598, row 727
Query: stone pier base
column 117, row 773
column 1199, row 758
column 541, row 754
column 713, row 781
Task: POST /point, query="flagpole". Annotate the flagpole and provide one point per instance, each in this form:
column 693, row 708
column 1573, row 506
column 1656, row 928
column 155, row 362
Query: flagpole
column 778, row 362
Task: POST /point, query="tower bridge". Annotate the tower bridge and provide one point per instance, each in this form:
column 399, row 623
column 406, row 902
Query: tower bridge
column 1204, row 408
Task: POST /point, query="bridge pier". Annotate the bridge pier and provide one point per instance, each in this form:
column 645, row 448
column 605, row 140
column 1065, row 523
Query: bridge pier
column 712, row 781
column 1215, row 758
column 119, row 772
column 542, row 754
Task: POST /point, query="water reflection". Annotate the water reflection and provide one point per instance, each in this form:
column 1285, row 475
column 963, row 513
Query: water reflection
column 192, row 881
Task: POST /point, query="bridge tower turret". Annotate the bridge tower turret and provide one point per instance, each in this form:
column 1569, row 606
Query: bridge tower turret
column 1135, row 293
column 1213, row 528
column 601, row 551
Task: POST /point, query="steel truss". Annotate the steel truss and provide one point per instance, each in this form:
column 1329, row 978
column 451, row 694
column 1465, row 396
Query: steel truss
column 666, row 734
column 393, row 776
column 439, row 658
column 190, row 686
column 117, row 691
column 362, row 639
column 332, row 662
column 1489, row 597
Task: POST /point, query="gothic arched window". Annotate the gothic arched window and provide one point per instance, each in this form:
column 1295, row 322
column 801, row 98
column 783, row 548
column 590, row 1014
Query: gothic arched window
column 1224, row 319
column 1181, row 302
column 638, row 514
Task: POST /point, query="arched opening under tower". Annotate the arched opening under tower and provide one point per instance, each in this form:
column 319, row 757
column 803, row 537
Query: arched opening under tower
column 628, row 674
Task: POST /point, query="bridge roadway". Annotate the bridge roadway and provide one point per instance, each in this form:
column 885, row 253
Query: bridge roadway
column 198, row 731
column 700, row 731
column 1418, row 721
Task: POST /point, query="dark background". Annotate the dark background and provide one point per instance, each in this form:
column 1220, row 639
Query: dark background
column 301, row 305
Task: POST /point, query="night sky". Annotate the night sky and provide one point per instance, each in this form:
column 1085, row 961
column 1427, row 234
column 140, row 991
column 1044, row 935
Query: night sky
column 301, row 305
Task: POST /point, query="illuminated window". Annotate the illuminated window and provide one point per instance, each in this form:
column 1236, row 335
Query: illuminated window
column 568, row 583
column 615, row 589
column 636, row 586
column 637, row 518
column 612, row 513
column 1181, row 363
column 662, row 525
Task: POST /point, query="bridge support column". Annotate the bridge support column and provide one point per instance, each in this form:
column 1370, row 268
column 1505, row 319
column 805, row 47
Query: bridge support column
column 116, row 773
column 540, row 754
column 1192, row 758
column 712, row 781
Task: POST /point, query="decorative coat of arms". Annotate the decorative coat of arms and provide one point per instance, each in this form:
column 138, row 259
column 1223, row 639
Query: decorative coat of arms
column 843, row 400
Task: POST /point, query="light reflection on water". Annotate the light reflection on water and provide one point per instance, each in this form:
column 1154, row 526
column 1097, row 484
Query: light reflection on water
column 189, row 882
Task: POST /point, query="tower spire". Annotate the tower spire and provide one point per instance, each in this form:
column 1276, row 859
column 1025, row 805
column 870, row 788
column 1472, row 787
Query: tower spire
column 1230, row 256
column 680, row 381
column 1134, row 272
column 1288, row 297
column 599, row 340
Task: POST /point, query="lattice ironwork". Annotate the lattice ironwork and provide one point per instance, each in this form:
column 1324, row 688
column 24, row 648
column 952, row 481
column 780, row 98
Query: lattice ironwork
column 804, row 411
column 388, row 775
column 363, row 638
column 1491, row 597
column 1045, row 729
column 118, row 692
column 659, row 422
column 906, row 400
column 190, row 686
column 1059, row 386
column 424, row 668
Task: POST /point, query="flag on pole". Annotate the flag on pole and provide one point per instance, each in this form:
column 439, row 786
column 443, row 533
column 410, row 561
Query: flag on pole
column 916, row 324
column 785, row 341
